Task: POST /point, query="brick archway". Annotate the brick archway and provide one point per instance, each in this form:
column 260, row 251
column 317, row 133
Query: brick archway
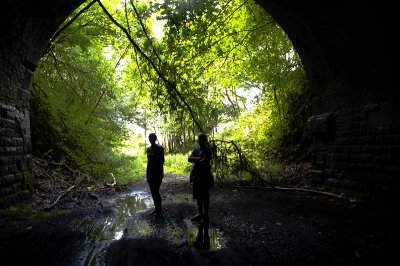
column 342, row 44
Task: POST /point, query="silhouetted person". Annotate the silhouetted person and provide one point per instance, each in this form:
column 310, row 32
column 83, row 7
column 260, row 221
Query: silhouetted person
column 155, row 171
column 202, row 177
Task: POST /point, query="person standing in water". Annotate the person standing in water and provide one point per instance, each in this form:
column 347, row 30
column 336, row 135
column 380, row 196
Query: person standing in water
column 202, row 178
column 155, row 171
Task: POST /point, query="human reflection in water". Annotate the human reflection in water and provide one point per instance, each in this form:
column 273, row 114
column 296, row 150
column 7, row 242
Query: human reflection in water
column 203, row 237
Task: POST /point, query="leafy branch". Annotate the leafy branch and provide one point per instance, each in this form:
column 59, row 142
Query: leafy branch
column 145, row 31
column 171, row 86
column 58, row 32
column 62, row 78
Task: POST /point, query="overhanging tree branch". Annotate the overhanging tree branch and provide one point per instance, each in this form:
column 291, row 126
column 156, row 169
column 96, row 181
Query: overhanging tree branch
column 171, row 86
column 66, row 25
column 145, row 31
column 203, row 50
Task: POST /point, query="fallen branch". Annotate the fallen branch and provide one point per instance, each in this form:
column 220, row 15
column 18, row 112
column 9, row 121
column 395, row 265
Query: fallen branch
column 299, row 189
column 114, row 183
column 59, row 197
column 67, row 191
column 310, row 191
column 243, row 162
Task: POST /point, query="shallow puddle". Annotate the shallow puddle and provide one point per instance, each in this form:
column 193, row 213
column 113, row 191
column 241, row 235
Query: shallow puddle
column 102, row 232
column 130, row 220
column 112, row 228
column 204, row 237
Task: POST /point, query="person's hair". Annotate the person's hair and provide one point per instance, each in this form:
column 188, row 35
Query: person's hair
column 152, row 136
column 202, row 139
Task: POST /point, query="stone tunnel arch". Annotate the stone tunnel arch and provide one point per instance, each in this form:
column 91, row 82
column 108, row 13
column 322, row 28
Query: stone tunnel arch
column 355, row 120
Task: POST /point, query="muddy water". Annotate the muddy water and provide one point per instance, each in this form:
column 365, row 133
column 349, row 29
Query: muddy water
column 130, row 219
column 102, row 232
column 205, row 238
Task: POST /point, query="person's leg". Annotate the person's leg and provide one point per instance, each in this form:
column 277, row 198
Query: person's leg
column 155, row 193
column 200, row 206
column 206, row 206
column 157, row 199
column 197, row 196
column 206, row 203
column 152, row 195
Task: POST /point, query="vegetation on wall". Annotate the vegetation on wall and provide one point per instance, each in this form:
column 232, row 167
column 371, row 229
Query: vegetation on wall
column 124, row 68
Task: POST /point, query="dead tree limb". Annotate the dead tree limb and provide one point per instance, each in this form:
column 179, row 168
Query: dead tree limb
column 59, row 197
column 113, row 183
column 244, row 165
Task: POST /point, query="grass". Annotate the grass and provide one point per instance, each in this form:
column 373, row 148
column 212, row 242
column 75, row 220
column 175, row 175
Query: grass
column 177, row 164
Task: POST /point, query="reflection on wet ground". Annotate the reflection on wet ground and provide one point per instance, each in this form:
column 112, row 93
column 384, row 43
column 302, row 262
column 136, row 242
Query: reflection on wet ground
column 204, row 237
column 130, row 219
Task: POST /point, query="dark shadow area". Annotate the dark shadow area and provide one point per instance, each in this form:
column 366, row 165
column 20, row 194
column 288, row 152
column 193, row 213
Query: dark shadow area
column 248, row 226
column 49, row 243
column 143, row 252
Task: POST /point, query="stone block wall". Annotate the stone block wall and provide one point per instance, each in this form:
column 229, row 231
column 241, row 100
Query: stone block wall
column 356, row 107
column 357, row 151
column 16, row 78
column 16, row 181
column 25, row 29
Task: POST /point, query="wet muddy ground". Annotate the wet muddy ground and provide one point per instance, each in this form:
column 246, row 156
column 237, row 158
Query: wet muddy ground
column 248, row 226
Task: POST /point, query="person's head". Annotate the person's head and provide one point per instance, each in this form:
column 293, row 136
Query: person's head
column 202, row 139
column 152, row 138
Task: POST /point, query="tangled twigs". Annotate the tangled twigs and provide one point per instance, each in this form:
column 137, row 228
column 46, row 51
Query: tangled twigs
column 37, row 168
column 82, row 176
column 228, row 159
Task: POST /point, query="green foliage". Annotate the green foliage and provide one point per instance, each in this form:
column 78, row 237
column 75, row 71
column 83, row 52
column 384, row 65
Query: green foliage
column 177, row 164
column 227, row 59
column 80, row 110
column 218, row 52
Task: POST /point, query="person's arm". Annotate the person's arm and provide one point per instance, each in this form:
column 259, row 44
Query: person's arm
column 193, row 158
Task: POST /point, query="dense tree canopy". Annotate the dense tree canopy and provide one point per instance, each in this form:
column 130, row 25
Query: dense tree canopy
column 223, row 67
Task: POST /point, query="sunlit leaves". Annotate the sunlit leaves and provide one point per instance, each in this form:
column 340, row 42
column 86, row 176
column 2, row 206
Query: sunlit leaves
column 213, row 52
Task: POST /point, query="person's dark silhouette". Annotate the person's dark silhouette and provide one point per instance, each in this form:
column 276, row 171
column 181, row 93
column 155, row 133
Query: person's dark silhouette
column 155, row 171
column 202, row 178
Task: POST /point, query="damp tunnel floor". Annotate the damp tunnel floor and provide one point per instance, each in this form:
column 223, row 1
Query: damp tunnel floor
column 248, row 226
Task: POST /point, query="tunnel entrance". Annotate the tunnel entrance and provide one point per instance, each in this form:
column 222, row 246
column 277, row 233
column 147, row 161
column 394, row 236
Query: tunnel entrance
column 353, row 122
